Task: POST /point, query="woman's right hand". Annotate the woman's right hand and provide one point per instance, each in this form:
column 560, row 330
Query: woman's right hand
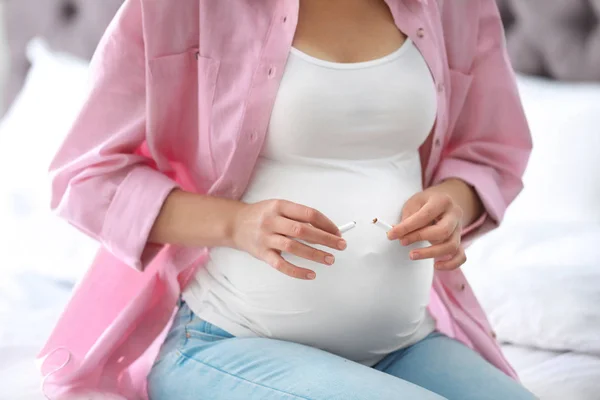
column 268, row 228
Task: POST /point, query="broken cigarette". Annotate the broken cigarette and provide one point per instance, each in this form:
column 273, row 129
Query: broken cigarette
column 346, row 227
column 382, row 225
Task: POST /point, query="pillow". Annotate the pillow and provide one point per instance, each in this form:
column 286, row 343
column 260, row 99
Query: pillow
column 32, row 238
column 540, row 284
column 562, row 180
column 538, row 275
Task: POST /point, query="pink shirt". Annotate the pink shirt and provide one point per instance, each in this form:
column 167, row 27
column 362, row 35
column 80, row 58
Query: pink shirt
column 182, row 97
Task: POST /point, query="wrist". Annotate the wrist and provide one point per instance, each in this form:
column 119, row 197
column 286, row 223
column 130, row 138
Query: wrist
column 465, row 196
column 229, row 224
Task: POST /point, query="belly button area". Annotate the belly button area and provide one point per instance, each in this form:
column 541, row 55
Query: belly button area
column 366, row 255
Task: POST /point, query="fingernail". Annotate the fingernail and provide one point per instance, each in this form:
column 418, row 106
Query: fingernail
column 341, row 244
column 404, row 242
column 329, row 260
column 414, row 256
column 391, row 235
column 311, row 275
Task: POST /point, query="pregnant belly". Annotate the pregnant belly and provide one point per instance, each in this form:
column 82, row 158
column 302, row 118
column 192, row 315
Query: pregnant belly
column 369, row 303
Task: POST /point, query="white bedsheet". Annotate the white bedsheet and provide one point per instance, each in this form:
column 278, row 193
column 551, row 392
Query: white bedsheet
column 29, row 306
column 556, row 375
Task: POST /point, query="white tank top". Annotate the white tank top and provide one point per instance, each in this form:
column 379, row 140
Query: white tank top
column 344, row 139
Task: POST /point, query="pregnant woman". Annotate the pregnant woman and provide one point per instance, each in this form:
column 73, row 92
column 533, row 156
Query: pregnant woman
column 221, row 148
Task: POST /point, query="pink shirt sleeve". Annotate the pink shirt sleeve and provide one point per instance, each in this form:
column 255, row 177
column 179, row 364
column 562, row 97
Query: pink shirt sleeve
column 490, row 144
column 99, row 183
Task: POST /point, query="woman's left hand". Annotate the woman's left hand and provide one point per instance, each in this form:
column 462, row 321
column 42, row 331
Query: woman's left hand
column 432, row 215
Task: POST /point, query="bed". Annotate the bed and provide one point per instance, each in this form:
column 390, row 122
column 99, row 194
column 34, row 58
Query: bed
column 550, row 328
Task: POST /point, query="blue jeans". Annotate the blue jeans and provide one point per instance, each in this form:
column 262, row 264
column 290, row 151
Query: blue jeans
column 201, row 361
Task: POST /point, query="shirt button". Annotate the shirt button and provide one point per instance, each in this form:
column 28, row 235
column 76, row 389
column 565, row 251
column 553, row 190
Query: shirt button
column 284, row 19
column 271, row 72
column 421, row 32
column 438, row 142
column 440, row 87
column 253, row 136
column 493, row 335
column 462, row 287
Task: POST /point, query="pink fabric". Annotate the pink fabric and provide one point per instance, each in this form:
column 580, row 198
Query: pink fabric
column 190, row 108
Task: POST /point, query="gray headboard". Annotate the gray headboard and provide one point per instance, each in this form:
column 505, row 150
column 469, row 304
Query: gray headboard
column 554, row 38
column 559, row 39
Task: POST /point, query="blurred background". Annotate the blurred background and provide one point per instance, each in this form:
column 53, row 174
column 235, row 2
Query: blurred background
column 537, row 276
column 3, row 54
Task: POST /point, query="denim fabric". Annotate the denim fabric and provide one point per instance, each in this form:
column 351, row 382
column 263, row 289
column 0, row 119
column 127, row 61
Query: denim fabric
column 201, row 361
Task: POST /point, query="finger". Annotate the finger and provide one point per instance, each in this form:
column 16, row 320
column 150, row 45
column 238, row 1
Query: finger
column 447, row 257
column 302, row 213
column 439, row 232
column 291, row 246
column 280, row 264
column 449, row 247
column 410, row 208
column 459, row 259
column 306, row 232
column 422, row 218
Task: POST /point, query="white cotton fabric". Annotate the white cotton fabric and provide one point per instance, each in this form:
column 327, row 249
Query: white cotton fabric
column 344, row 139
